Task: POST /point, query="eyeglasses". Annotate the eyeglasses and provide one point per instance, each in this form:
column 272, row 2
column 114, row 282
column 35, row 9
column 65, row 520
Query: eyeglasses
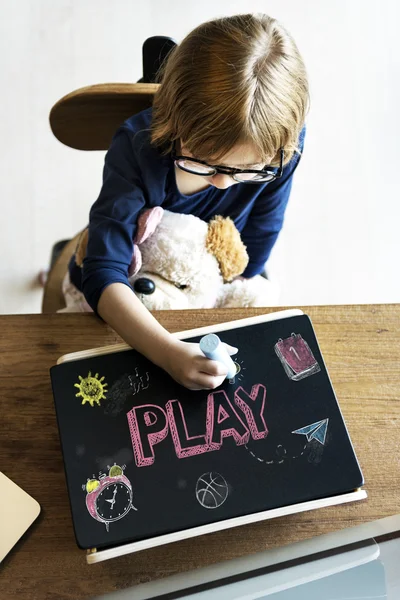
column 200, row 167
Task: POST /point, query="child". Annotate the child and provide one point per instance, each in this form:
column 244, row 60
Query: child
column 224, row 137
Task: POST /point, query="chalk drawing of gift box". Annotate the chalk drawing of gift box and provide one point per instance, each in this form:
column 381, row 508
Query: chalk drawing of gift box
column 296, row 357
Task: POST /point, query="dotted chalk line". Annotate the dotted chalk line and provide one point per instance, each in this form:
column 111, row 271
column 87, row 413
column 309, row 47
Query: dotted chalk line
column 279, row 462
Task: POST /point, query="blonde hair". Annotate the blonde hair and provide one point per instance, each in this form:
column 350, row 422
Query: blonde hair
column 238, row 79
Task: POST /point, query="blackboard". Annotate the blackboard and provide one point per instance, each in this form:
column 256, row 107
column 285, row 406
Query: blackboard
column 146, row 457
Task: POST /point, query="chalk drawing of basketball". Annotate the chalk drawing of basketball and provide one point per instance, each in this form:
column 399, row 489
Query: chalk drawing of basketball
column 211, row 490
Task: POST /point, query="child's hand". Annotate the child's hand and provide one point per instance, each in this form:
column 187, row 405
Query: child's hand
column 189, row 367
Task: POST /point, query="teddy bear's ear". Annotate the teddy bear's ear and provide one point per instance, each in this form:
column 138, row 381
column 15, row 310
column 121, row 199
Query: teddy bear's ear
column 223, row 240
column 147, row 223
column 136, row 263
column 146, row 226
column 80, row 251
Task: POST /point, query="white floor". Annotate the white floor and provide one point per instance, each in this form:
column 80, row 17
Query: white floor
column 340, row 242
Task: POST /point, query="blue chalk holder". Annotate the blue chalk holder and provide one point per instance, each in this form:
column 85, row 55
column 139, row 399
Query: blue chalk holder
column 212, row 347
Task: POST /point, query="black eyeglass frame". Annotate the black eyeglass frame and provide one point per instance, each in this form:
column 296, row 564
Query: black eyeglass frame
column 228, row 170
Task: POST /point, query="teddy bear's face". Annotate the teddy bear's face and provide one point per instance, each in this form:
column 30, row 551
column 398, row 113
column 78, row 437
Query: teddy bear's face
column 179, row 261
column 179, row 270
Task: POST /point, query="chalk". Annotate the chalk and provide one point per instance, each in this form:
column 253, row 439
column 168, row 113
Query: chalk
column 212, row 347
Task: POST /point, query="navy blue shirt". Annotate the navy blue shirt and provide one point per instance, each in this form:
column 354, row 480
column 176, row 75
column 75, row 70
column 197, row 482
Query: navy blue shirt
column 137, row 176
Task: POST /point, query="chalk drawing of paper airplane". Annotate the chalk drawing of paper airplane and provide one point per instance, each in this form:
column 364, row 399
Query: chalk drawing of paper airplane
column 315, row 431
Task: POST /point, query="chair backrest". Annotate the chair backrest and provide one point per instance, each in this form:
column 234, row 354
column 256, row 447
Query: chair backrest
column 87, row 118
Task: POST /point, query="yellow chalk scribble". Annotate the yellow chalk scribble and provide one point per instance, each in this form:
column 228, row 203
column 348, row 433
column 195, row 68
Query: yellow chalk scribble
column 91, row 389
column 91, row 485
column 116, row 471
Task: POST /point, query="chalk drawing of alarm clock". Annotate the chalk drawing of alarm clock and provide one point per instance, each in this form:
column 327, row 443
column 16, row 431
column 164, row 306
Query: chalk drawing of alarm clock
column 110, row 497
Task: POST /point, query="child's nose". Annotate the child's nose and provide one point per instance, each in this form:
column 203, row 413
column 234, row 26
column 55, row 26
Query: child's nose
column 221, row 181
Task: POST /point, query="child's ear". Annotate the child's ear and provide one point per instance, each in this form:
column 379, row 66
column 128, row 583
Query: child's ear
column 80, row 251
column 224, row 241
column 147, row 223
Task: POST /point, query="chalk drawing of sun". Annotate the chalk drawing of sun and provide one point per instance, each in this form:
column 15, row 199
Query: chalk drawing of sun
column 91, row 389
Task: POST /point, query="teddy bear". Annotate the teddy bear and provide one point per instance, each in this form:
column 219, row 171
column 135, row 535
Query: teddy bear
column 179, row 261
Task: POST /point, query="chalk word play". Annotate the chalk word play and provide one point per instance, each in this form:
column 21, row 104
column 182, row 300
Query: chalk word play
column 149, row 424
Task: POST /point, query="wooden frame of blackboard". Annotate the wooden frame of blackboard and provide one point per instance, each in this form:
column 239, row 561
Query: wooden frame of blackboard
column 94, row 555
column 181, row 335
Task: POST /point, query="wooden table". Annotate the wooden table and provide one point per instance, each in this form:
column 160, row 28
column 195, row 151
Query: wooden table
column 361, row 347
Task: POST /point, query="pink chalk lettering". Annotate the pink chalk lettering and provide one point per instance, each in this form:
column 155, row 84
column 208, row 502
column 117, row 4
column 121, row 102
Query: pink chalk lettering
column 185, row 445
column 222, row 414
column 231, row 425
column 148, row 426
column 149, row 418
column 253, row 407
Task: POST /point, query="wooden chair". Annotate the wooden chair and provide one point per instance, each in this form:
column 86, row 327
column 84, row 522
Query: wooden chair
column 86, row 119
